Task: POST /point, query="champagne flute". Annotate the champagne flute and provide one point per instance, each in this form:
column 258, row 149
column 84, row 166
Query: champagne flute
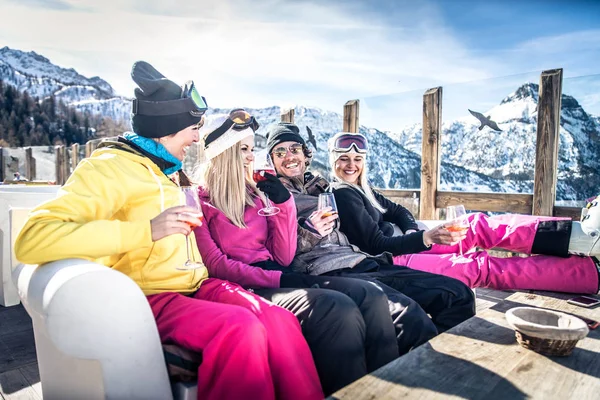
column 459, row 222
column 189, row 197
column 327, row 200
column 263, row 164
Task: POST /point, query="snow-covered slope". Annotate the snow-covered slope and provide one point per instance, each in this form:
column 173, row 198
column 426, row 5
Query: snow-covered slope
column 35, row 74
column 510, row 155
column 474, row 160
column 390, row 164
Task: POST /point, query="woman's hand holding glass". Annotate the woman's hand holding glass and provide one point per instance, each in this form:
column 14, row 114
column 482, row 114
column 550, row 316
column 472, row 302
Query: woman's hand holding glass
column 440, row 235
column 262, row 166
column 322, row 223
column 458, row 224
column 174, row 220
column 189, row 197
column 329, row 207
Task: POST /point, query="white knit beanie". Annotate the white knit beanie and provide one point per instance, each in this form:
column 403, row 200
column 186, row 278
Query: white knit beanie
column 223, row 142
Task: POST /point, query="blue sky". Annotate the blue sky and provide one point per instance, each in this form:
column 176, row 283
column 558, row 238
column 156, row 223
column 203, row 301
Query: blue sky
column 259, row 53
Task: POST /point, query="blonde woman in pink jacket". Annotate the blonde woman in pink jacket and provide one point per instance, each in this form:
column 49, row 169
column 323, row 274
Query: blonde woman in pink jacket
column 345, row 321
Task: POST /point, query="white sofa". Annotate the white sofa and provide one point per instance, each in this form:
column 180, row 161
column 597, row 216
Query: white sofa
column 15, row 196
column 95, row 334
column 94, row 331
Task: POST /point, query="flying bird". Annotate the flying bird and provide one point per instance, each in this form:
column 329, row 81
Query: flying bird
column 311, row 138
column 485, row 121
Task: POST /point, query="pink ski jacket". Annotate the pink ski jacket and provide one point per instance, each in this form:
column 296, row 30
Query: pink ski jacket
column 227, row 251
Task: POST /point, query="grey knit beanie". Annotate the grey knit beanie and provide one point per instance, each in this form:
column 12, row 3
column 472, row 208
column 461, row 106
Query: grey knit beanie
column 283, row 132
column 155, row 87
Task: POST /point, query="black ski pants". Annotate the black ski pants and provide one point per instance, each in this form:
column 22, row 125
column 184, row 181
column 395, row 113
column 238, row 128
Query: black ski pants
column 346, row 324
column 412, row 295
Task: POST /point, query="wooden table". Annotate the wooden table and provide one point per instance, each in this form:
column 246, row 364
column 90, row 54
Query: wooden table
column 480, row 359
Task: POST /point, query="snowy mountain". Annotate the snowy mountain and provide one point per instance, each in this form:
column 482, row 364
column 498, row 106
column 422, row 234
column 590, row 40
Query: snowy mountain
column 390, row 164
column 510, row 155
column 506, row 165
column 35, row 74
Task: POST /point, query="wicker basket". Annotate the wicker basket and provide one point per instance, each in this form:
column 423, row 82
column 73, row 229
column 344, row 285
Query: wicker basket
column 547, row 332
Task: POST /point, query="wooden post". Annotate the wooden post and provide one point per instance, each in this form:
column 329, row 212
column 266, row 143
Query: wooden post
column 548, row 128
column 58, row 160
column 430, row 155
column 62, row 164
column 351, row 115
column 2, row 168
column 66, row 170
column 29, row 164
column 74, row 156
column 288, row 116
column 88, row 148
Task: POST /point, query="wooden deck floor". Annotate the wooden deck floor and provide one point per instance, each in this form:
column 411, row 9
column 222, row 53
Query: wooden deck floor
column 19, row 376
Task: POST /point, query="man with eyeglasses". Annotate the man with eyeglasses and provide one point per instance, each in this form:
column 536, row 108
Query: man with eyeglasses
column 447, row 300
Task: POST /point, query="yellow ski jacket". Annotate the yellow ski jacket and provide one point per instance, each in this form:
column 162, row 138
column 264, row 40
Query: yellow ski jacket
column 103, row 214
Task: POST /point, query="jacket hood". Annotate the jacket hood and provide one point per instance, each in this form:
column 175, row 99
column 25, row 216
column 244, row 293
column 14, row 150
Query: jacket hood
column 126, row 147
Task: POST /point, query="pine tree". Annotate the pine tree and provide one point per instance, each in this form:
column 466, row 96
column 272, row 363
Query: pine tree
column 30, row 121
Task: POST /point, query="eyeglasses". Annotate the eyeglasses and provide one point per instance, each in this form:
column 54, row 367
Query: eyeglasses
column 190, row 102
column 295, row 149
column 345, row 142
column 238, row 120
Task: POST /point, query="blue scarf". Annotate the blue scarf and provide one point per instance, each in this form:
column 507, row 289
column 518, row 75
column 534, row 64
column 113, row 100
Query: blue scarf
column 156, row 149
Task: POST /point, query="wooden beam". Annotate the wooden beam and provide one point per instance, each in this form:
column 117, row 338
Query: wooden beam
column 548, row 127
column 58, row 161
column 288, row 116
column 66, row 170
column 570, row 212
column 62, row 164
column 498, row 202
column 2, row 166
column 74, row 155
column 430, row 155
column 88, row 148
column 351, row 115
column 29, row 164
column 399, row 192
column 405, row 197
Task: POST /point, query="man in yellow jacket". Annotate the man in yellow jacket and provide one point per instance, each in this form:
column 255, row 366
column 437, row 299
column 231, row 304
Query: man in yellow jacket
column 121, row 208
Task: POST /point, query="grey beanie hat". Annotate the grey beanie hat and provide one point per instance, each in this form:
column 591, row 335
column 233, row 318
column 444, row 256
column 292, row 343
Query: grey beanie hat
column 283, row 132
column 155, row 87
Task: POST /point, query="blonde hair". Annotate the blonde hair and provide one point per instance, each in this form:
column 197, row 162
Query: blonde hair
column 229, row 185
column 363, row 182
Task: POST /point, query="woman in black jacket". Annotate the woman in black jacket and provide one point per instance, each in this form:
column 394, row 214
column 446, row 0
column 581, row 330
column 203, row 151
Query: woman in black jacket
column 367, row 219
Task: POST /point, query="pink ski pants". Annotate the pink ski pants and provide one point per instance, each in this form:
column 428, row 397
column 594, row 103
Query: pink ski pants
column 573, row 274
column 251, row 348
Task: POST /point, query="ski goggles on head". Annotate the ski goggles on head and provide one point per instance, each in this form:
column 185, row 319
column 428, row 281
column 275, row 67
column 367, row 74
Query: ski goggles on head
column 190, row 102
column 344, row 143
column 238, row 120
column 190, row 92
column 294, row 149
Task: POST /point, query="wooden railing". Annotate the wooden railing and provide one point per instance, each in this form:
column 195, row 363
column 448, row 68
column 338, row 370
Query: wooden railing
column 430, row 199
column 426, row 201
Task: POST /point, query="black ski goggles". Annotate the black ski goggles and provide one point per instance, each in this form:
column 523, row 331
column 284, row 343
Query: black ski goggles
column 190, row 102
column 344, row 143
column 238, row 120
